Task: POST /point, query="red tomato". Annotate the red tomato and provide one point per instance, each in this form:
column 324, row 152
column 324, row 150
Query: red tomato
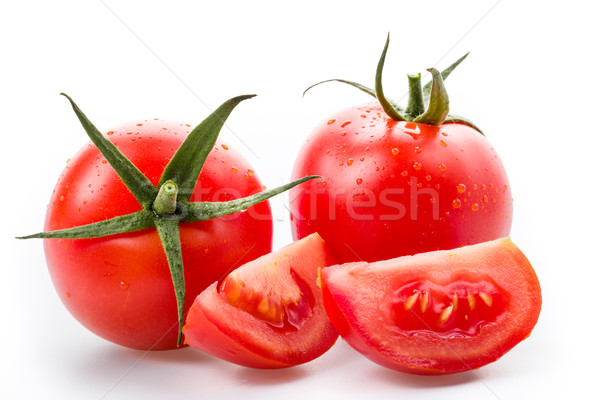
column 394, row 188
column 438, row 312
column 267, row 313
column 120, row 286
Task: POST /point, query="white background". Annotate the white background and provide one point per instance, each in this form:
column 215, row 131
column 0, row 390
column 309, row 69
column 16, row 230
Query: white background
column 531, row 82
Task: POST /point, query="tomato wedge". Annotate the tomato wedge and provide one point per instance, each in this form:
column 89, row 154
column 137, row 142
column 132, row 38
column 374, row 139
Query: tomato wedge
column 438, row 312
column 267, row 313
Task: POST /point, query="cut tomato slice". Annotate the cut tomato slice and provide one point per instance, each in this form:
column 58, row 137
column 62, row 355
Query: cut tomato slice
column 438, row 312
column 267, row 313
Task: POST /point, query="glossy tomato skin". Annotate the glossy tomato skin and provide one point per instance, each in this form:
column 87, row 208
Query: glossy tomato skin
column 371, row 311
column 269, row 312
column 394, row 188
column 120, row 286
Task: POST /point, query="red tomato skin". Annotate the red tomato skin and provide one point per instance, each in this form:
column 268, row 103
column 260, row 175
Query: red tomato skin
column 214, row 326
column 120, row 286
column 389, row 191
column 430, row 354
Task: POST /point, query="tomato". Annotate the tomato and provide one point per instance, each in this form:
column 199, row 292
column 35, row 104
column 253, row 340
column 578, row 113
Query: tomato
column 119, row 286
column 397, row 188
column 438, row 312
column 399, row 182
column 267, row 313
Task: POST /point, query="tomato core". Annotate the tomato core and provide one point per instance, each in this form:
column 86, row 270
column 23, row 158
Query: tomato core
column 286, row 313
column 460, row 308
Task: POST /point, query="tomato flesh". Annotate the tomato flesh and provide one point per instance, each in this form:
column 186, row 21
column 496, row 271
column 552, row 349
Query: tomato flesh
column 460, row 308
column 267, row 313
column 287, row 311
column 438, row 312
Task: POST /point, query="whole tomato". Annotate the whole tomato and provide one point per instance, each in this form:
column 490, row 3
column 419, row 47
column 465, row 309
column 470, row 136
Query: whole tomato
column 144, row 218
column 398, row 182
column 119, row 286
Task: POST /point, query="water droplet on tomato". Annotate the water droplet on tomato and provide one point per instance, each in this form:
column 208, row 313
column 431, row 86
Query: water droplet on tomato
column 350, row 161
column 331, row 121
column 234, row 170
column 485, row 199
column 443, row 143
column 345, row 124
column 404, row 173
column 109, row 133
column 67, row 294
column 395, row 151
column 104, row 161
column 442, row 167
column 418, row 149
column 362, row 159
column 428, row 177
column 343, row 133
column 456, row 203
column 460, row 188
column 124, row 285
column 475, row 207
column 417, row 165
column 224, row 146
column 250, row 172
column 62, row 198
column 359, row 181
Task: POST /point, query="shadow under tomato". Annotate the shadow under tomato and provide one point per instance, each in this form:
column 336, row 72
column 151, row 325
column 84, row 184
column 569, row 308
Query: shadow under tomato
column 184, row 355
column 386, row 375
column 267, row 377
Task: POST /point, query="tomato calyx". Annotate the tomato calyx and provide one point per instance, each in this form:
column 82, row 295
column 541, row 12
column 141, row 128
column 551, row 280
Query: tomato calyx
column 165, row 207
column 426, row 105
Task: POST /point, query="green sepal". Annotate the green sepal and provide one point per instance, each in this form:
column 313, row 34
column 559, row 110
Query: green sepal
column 168, row 231
column 124, row 223
column 439, row 103
column 445, row 73
column 186, row 164
column 462, row 120
column 137, row 183
column 387, row 106
column 201, row 211
column 365, row 89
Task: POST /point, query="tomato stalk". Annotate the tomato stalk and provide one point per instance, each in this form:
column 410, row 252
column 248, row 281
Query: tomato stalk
column 415, row 106
column 167, row 206
column 427, row 105
column 166, row 200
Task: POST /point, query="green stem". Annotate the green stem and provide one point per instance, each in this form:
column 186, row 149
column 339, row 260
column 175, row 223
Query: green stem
column 415, row 106
column 166, row 200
